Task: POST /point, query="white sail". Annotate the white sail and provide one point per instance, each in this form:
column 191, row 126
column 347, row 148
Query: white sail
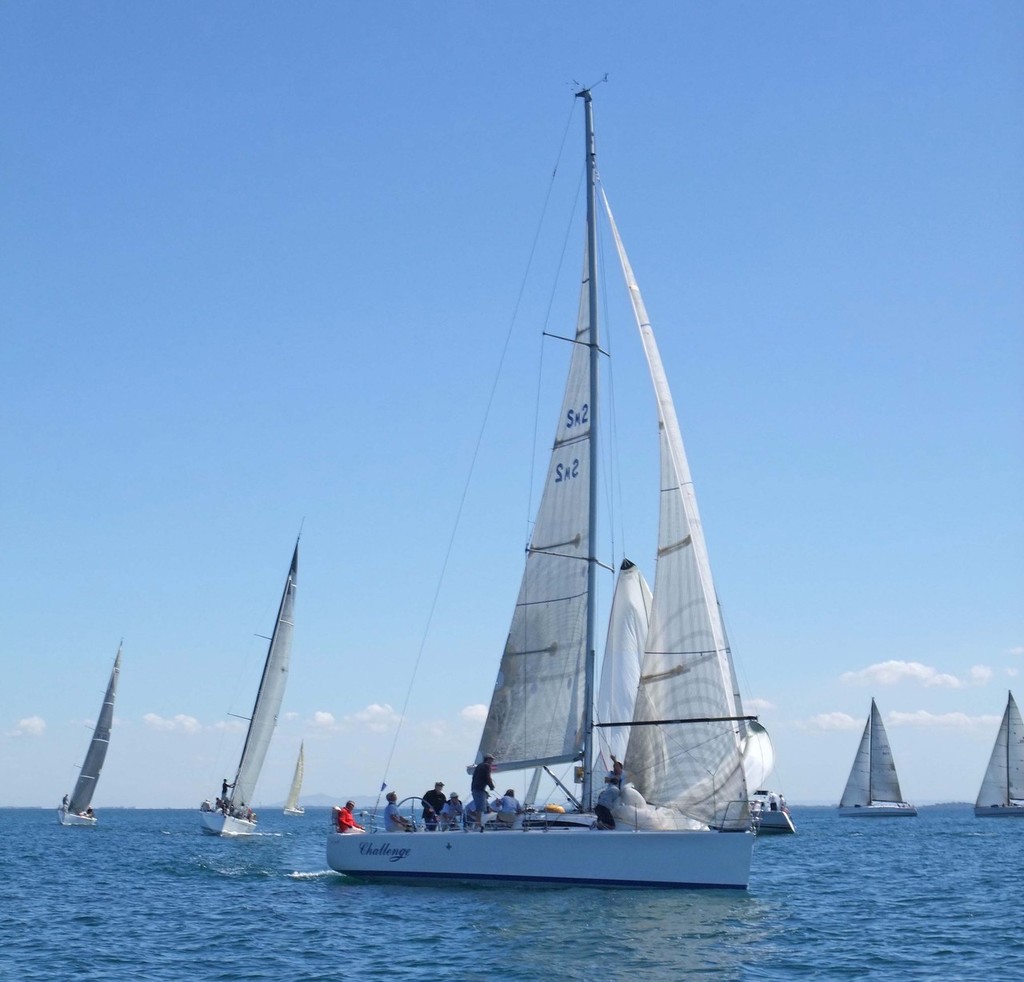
column 292, row 803
column 85, row 787
column 269, row 696
column 537, row 707
column 695, row 767
column 628, row 622
column 873, row 787
column 1003, row 784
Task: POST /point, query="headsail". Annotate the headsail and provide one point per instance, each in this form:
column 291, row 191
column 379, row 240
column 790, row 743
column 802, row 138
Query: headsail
column 81, row 797
column 623, row 652
column 270, row 694
column 537, row 708
column 688, row 673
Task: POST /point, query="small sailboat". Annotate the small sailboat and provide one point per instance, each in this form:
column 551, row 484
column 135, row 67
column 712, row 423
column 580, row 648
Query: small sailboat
column 291, row 805
column 232, row 812
column 873, row 789
column 77, row 810
column 683, row 820
column 1002, row 789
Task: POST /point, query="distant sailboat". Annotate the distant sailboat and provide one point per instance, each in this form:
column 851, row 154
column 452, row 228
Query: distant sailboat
column 232, row 814
column 1002, row 790
column 77, row 810
column 291, row 806
column 873, row 789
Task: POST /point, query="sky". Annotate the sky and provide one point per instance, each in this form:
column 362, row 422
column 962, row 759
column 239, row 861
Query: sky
column 278, row 267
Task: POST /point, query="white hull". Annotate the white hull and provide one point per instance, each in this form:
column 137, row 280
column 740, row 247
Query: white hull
column 66, row 819
column 295, row 811
column 582, row 857
column 887, row 810
column 774, row 823
column 999, row 811
column 216, row 823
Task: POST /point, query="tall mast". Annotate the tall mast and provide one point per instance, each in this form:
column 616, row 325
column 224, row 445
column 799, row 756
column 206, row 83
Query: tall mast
column 590, row 656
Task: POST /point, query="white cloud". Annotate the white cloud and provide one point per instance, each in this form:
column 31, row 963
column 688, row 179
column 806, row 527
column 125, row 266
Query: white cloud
column 376, row 718
column 979, row 674
column 894, row 672
column 323, row 721
column 474, row 714
column 756, row 706
column 30, row 726
column 954, row 721
column 181, row 722
column 229, row 726
column 1016, row 650
column 833, row 721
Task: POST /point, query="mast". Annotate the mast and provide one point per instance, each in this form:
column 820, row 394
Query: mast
column 590, row 655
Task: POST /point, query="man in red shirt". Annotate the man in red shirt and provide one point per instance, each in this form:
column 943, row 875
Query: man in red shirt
column 346, row 821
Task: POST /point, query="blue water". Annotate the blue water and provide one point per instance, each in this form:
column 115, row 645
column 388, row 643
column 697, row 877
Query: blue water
column 145, row 896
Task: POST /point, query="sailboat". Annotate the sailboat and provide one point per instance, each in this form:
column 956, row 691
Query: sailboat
column 232, row 812
column 683, row 821
column 873, row 789
column 77, row 810
column 291, row 805
column 1002, row 789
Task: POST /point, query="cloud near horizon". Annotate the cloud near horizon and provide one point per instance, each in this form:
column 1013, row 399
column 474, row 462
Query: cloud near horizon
column 29, row 726
column 474, row 714
column 893, row 672
column 180, row 723
column 832, row 721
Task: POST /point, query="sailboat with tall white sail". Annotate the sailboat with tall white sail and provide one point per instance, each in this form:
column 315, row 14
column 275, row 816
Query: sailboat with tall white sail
column 684, row 819
column 232, row 812
column 873, row 789
column 77, row 809
column 291, row 805
column 1002, row 789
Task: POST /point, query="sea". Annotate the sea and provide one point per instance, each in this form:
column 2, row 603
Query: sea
column 144, row 895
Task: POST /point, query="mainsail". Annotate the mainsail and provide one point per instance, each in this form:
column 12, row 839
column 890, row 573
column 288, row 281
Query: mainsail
column 270, row 694
column 873, row 775
column 1004, row 778
column 292, row 804
column 694, row 767
column 538, row 705
column 81, row 797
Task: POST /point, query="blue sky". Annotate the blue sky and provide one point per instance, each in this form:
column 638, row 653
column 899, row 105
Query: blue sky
column 259, row 267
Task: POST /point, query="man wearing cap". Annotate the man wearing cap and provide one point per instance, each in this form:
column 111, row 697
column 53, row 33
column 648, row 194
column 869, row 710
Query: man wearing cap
column 394, row 821
column 451, row 814
column 433, row 802
column 482, row 781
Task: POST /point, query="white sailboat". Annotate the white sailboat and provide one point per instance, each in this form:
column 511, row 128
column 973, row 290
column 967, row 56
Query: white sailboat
column 1002, row 789
column 684, row 821
column 77, row 810
column 291, row 805
column 873, row 789
column 232, row 812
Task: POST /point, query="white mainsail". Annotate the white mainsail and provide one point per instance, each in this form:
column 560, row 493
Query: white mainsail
column 85, row 787
column 686, row 752
column 628, row 623
column 1002, row 789
column 291, row 805
column 270, row 694
column 538, row 705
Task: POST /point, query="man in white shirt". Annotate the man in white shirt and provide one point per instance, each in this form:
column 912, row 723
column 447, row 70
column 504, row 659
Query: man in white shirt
column 393, row 821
